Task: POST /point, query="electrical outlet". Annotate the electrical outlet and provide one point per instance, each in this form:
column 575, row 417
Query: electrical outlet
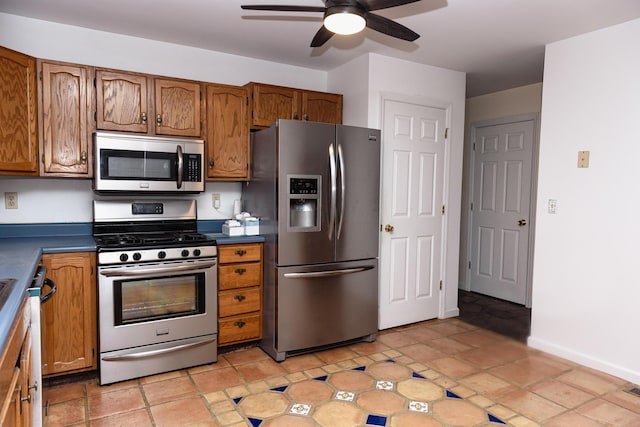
column 11, row 200
column 216, row 200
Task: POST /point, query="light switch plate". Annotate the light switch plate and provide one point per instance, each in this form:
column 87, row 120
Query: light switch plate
column 583, row 159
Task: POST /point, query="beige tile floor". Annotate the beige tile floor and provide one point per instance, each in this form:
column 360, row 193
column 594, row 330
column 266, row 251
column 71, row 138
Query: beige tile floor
column 435, row 373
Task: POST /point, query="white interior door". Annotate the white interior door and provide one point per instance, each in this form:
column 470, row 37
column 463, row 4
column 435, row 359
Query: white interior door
column 501, row 210
column 412, row 218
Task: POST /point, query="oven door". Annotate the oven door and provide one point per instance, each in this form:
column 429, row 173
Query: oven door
column 144, row 304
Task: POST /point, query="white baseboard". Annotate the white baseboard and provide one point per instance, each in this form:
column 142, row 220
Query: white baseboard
column 583, row 359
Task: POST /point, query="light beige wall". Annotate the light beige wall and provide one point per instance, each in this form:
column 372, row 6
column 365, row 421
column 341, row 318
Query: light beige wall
column 497, row 105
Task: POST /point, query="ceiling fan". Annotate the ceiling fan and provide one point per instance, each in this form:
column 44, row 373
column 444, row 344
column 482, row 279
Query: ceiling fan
column 349, row 17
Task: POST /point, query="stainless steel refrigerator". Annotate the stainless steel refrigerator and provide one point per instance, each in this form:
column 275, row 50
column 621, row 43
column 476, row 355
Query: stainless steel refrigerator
column 315, row 187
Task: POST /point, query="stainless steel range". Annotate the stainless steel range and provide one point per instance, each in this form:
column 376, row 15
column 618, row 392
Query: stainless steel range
column 157, row 288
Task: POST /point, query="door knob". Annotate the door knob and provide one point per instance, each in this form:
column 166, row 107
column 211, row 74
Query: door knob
column 388, row 228
column 522, row 222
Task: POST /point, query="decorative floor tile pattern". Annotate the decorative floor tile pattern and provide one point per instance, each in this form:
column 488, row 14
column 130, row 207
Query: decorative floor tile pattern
column 431, row 374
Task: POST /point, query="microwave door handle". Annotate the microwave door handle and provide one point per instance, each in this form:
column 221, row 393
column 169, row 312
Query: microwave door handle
column 180, row 165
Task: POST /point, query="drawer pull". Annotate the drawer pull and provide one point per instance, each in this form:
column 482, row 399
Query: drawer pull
column 239, row 324
column 239, row 297
column 240, row 270
column 241, row 252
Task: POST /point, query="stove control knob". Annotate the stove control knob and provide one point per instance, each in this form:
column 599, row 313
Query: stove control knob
column 137, row 256
column 124, row 257
column 196, row 252
column 185, row 253
column 162, row 254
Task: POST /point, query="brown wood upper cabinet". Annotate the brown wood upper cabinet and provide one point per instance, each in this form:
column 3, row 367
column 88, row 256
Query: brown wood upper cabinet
column 227, row 133
column 132, row 102
column 65, row 117
column 270, row 103
column 18, row 114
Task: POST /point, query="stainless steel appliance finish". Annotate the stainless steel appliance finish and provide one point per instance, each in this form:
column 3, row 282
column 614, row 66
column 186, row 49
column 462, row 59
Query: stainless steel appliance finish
column 157, row 288
column 315, row 188
column 150, row 164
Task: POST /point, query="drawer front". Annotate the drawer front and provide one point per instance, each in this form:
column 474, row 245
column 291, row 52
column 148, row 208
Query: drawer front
column 239, row 275
column 239, row 253
column 239, row 328
column 238, row 301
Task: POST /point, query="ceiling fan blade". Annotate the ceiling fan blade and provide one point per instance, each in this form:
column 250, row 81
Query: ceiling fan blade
column 389, row 27
column 383, row 4
column 282, row 8
column 322, row 36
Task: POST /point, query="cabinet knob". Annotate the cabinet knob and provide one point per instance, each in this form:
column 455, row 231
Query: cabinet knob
column 144, row 117
column 83, row 157
column 240, row 270
column 239, row 297
column 239, row 324
column 240, row 252
column 159, row 120
column 211, row 163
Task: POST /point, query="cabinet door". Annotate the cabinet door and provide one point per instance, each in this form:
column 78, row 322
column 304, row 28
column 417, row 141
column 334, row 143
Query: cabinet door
column 26, row 407
column 18, row 114
column 122, row 101
column 177, row 106
column 271, row 103
column 65, row 97
column 322, row 107
column 69, row 317
column 227, row 133
column 10, row 406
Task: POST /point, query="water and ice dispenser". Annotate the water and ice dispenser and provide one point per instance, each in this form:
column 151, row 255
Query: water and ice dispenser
column 304, row 198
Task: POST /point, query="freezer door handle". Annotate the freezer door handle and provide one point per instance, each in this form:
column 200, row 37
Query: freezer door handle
column 332, row 205
column 327, row 273
column 342, row 187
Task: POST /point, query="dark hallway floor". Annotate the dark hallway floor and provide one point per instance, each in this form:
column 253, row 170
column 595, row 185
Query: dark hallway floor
column 503, row 317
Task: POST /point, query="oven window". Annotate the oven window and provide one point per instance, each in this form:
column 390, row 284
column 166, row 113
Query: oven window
column 145, row 300
column 128, row 164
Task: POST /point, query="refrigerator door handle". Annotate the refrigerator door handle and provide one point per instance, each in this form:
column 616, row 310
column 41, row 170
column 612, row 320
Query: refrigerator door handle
column 342, row 187
column 332, row 205
column 327, row 273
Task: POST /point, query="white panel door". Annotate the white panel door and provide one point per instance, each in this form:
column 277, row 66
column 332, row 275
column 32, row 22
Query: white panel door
column 500, row 210
column 412, row 218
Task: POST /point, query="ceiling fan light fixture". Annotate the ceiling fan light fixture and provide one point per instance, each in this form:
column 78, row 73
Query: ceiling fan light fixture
column 344, row 22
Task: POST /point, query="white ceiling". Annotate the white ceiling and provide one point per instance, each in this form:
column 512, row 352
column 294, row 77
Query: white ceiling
column 498, row 43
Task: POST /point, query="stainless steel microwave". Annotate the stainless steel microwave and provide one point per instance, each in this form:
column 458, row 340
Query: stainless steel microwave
column 140, row 163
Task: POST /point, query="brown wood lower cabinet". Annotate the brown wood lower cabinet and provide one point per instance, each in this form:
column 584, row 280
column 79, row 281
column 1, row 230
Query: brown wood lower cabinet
column 69, row 333
column 239, row 293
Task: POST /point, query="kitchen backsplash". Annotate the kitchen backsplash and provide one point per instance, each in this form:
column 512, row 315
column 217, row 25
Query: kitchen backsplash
column 46, row 200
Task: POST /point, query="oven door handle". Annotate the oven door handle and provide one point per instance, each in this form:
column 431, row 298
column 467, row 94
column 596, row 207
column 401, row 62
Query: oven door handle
column 152, row 353
column 147, row 272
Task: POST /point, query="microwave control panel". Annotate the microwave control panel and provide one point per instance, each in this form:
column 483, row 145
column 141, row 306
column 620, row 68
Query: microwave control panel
column 192, row 171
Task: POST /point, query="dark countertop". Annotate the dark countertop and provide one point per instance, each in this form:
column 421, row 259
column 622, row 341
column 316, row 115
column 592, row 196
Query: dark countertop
column 21, row 247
